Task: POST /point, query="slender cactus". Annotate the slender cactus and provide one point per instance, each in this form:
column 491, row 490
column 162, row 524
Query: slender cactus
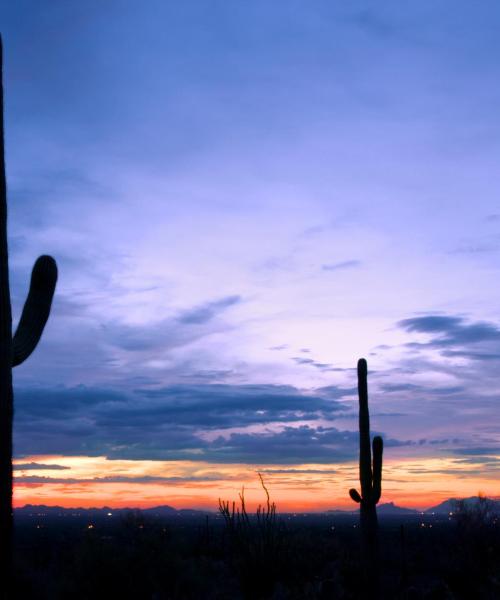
column 14, row 351
column 370, row 478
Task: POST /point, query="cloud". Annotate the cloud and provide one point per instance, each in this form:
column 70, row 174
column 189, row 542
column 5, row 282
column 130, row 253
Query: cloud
column 180, row 330
column 291, row 445
column 140, row 479
column 33, row 466
column 478, row 451
column 303, row 361
column 431, row 324
column 165, row 422
column 300, row 360
column 421, row 389
column 470, row 354
column 224, row 405
column 251, row 424
column 339, row 266
column 452, row 330
column 206, row 312
column 110, row 347
column 454, row 336
column 299, row 471
column 333, row 391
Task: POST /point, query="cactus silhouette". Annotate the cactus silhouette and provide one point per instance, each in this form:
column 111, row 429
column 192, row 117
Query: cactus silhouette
column 14, row 351
column 370, row 478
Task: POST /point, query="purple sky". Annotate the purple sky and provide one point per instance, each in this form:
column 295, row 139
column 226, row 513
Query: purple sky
column 244, row 198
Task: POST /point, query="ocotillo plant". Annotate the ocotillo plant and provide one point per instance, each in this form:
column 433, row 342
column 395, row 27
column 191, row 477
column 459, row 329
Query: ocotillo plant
column 258, row 545
column 370, row 478
column 14, row 351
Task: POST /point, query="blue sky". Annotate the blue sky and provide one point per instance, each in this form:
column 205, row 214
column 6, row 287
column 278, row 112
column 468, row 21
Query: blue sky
column 243, row 199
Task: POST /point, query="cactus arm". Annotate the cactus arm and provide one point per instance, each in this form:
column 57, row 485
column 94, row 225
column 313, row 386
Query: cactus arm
column 365, row 459
column 378, row 449
column 355, row 495
column 36, row 309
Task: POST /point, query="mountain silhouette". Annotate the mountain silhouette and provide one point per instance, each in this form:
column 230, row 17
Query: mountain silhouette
column 450, row 505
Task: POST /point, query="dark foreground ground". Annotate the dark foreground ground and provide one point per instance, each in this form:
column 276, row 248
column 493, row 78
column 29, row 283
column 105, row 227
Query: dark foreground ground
column 198, row 557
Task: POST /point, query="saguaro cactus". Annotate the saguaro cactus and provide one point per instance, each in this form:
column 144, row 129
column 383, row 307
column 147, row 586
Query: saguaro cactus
column 370, row 478
column 14, row 351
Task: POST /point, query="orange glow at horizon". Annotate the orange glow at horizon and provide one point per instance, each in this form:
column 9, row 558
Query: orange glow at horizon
column 82, row 481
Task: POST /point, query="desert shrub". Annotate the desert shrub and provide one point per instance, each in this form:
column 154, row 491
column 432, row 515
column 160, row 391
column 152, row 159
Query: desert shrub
column 257, row 544
column 475, row 556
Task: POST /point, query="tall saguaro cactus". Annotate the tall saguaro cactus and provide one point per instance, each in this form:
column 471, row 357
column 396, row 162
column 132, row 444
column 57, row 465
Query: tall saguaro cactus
column 14, row 351
column 370, row 478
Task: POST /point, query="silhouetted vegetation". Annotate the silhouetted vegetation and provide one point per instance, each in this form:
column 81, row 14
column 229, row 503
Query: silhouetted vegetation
column 257, row 543
column 315, row 557
column 15, row 350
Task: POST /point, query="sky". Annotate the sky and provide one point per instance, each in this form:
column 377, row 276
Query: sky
column 243, row 198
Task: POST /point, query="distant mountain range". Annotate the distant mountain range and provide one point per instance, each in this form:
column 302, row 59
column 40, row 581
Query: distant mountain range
column 444, row 508
column 389, row 509
column 450, row 505
column 105, row 511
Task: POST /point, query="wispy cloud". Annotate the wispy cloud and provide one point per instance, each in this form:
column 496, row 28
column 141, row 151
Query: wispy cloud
column 455, row 336
column 34, row 466
column 339, row 266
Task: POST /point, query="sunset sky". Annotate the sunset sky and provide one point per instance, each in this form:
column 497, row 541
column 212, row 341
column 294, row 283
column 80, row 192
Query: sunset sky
column 244, row 198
